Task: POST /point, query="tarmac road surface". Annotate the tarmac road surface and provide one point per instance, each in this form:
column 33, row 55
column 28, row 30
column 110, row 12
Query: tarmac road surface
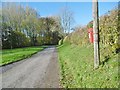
column 39, row 71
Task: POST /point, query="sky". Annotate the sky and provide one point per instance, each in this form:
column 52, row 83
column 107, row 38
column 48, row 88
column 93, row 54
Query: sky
column 82, row 10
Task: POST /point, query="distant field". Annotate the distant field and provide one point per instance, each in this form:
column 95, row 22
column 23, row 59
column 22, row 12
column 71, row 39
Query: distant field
column 76, row 65
column 12, row 55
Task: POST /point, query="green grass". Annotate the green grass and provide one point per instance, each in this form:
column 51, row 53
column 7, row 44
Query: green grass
column 13, row 55
column 77, row 71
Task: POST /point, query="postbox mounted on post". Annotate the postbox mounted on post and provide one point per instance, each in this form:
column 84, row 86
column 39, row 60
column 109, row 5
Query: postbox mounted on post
column 90, row 32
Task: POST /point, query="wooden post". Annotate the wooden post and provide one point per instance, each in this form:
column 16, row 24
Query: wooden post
column 96, row 34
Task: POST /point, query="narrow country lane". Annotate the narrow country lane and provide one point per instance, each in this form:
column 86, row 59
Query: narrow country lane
column 39, row 71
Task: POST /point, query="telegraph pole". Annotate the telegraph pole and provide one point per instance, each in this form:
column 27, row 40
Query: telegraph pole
column 96, row 34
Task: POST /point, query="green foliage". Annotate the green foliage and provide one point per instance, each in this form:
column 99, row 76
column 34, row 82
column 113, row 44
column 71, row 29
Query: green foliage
column 76, row 66
column 15, row 39
column 23, row 26
column 76, row 56
column 13, row 55
column 79, row 37
column 90, row 24
column 39, row 40
column 109, row 32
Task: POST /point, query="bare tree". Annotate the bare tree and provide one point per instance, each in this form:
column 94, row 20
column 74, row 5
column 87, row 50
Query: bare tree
column 67, row 19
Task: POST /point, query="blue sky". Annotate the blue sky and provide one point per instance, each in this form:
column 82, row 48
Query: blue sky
column 82, row 10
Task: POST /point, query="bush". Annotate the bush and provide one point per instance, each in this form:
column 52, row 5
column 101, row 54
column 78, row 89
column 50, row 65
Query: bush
column 108, row 27
column 14, row 40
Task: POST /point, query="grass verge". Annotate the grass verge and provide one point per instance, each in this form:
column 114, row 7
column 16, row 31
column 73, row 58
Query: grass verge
column 13, row 55
column 76, row 65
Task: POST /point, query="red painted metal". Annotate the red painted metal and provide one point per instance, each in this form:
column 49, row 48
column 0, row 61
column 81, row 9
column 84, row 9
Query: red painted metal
column 90, row 32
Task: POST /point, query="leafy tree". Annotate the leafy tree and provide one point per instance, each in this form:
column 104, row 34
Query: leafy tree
column 23, row 26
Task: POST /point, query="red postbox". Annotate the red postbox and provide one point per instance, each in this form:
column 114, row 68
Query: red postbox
column 90, row 32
